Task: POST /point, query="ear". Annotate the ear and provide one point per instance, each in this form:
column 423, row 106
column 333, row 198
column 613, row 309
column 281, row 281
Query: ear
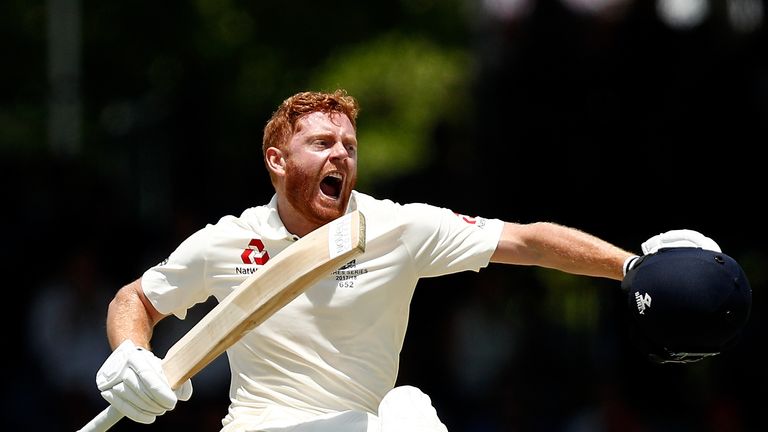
column 275, row 160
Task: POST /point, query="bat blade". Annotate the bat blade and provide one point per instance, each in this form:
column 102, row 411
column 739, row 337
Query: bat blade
column 283, row 278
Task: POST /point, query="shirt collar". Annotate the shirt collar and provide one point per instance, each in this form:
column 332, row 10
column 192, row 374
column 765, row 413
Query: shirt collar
column 274, row 228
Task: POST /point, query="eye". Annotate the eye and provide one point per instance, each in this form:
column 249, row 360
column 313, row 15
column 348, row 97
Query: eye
column 351, row 146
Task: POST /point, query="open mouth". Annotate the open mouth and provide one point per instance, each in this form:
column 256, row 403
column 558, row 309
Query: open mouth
column 331, row 185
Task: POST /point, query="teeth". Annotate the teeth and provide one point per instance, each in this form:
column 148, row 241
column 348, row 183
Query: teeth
column 335, row 175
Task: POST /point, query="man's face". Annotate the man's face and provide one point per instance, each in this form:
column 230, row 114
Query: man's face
column 321, row 166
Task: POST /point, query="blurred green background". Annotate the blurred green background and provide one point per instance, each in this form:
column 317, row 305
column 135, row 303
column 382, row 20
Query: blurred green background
column 126, row 126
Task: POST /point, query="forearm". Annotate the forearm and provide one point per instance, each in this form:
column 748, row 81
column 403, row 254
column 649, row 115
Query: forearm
column 131, row 316
column 562, row 248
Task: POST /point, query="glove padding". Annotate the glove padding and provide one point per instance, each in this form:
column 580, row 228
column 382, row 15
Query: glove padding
column 408, row 409
column 132, row 380
column 679, row 238
column 672, row 239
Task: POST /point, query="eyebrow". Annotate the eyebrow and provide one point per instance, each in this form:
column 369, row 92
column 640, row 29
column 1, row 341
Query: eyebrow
column 344, row 137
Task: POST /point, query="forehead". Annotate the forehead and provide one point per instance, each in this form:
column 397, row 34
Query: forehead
column 320, row 122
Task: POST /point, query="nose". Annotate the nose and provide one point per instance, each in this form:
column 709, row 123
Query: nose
column 339, row 151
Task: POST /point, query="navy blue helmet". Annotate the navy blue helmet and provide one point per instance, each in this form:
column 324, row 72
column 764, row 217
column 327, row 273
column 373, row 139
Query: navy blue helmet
column 686, row 303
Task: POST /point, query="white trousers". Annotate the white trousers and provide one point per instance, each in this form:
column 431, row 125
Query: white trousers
column 403, row 409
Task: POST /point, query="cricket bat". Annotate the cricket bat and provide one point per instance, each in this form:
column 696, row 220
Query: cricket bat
column 275, row 284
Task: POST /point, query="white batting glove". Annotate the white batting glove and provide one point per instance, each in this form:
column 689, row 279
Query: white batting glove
column 679, row 238
column 408, row 409
column 671, row 239
column 132, row 380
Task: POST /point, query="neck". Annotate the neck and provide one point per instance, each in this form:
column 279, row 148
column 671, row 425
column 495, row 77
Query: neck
column 292, row 219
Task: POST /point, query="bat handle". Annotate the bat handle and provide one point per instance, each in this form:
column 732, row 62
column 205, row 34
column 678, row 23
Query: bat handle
column 103, row 421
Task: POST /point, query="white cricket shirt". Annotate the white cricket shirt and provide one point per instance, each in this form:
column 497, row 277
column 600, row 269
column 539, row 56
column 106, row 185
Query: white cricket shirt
column 336, row 347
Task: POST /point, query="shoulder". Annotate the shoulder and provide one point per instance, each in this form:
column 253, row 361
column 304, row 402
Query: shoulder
column 231, row 229
column 229, row 223
column 413, row 217
column 258, row 219
column 389, row 210
column 365, row 202
column 416, row 212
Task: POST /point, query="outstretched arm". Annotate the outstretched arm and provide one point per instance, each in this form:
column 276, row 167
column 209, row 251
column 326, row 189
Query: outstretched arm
column 554, row 246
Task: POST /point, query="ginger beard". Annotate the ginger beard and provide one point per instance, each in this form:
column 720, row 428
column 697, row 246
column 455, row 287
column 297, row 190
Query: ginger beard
column 319, row 197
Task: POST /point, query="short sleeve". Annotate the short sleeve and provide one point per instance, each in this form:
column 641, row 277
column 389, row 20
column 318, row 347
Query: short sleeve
column 443, row 241
column 178, row 283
